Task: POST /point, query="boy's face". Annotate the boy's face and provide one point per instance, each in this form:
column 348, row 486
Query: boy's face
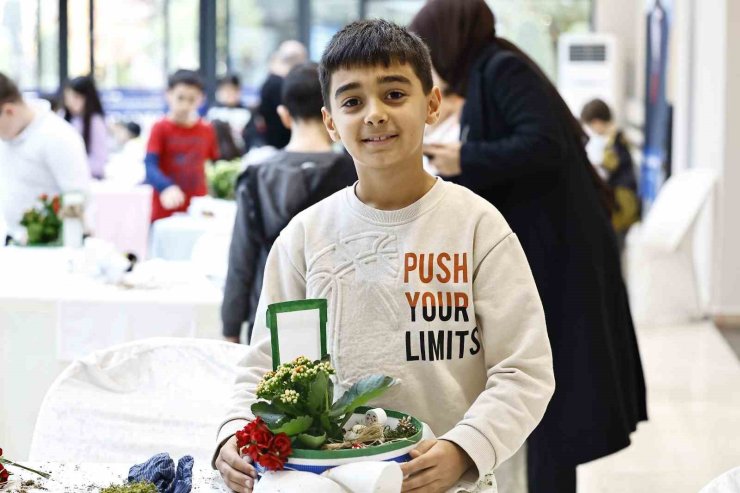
column 183, row 100
column 9, row 121
column 379, row 113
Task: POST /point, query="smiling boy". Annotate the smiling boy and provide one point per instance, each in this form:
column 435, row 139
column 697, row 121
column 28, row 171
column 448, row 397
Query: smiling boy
column 425, row 280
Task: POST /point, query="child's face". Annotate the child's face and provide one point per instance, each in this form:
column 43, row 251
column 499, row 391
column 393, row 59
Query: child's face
column 75, row 102
column 379, row 113
column 183, row 100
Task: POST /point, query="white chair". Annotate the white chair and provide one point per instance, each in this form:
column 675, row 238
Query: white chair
column 660, row 252
column 131, row 401
column 728, row 482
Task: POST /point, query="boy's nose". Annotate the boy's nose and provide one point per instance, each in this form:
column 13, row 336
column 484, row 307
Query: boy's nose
column 376, row 114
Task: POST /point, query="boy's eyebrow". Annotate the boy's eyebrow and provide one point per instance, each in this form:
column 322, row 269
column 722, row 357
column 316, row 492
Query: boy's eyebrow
column 388, row 79
column 384, row 79
column 345, row 88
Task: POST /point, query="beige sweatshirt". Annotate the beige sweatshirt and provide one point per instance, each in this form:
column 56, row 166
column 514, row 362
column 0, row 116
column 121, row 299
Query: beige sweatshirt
column 438, row 295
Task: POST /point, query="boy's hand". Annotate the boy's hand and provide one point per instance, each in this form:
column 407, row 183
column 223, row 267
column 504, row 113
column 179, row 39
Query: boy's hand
column 237, row 472
column 445, row 158
column 436, row 466
column 172, row 197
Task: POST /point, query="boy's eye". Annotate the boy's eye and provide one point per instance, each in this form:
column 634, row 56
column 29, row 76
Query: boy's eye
column 395, row 95
column 351, row 102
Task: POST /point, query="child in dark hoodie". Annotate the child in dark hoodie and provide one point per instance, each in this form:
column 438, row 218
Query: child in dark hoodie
column 270, row 193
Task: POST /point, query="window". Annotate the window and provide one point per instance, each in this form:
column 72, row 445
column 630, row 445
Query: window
column 328, row 17
column 129, row 44
column 256, row 28
column 536, row 25
column 29, row 35
column 400, row 12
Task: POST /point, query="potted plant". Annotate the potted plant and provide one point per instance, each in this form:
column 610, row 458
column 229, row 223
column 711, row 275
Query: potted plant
column 299, row 426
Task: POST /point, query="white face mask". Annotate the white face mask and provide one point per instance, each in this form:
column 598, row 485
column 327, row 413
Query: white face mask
column 595, row 149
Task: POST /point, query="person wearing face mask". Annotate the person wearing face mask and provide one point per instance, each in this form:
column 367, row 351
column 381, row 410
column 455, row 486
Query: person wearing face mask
column 609, row 151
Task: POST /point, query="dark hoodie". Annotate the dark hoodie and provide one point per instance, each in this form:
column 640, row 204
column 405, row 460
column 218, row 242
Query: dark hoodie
column 268, row 196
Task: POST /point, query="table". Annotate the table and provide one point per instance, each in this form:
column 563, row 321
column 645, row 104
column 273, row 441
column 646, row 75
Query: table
column 121, row 213
column 91, row 477
column 174, row 238
column 49, row 316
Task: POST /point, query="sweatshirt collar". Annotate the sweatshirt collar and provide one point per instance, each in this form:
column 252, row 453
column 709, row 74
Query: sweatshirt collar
column 398, row 216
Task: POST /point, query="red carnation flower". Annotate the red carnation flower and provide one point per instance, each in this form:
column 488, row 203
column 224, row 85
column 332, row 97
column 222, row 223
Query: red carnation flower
column 271, row 462
column 43, row 197
column 4, row 474
column 56, row 205
column 281, row 445
column 262, row 437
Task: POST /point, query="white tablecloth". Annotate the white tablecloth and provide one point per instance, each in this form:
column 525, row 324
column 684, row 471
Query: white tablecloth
column 121, row 213
column 49, row 316
column 174, row 238
column 95, row 476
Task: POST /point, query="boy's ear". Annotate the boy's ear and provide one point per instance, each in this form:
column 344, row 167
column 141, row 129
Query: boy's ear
column 329, row 124
column 285, row 117
column 434, row 100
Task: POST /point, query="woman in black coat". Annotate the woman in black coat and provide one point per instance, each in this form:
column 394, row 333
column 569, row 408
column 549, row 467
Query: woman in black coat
column 523, row 151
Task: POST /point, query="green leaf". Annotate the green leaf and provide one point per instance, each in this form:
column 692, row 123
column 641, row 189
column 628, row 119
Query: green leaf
column 330, row 393
column 361, row 393
column 311, row 441
column 269, row 413
column 294, row 426
column 317, row 393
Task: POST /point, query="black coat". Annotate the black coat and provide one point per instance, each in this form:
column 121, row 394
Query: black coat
column 520, row 154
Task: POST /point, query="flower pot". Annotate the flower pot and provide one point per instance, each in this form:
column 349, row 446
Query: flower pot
column 318, row 461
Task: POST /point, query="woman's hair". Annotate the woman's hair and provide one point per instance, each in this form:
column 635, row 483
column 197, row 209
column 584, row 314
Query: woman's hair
column 85, row 87
column 457, row 33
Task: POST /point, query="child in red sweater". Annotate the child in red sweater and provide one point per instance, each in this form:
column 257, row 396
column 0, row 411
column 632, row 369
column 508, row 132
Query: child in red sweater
column 179, row 146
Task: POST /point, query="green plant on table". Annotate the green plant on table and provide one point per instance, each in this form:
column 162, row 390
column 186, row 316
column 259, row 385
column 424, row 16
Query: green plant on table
column 221, row 177
column 42, row 221
column 299, row 401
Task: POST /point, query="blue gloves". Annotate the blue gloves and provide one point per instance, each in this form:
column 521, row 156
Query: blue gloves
column 160, row 470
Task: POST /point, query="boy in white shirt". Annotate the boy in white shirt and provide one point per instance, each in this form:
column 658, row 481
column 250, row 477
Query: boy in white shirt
column 425, row 280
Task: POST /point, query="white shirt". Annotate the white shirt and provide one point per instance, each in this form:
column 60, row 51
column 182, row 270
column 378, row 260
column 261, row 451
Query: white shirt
column 47, row 157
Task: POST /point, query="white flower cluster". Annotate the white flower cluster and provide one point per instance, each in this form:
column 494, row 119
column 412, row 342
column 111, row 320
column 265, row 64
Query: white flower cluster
column 290, row 396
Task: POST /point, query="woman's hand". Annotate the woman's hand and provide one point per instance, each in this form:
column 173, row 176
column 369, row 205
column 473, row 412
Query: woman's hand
column 445, row 158
column 237, row 472
column 436, row 466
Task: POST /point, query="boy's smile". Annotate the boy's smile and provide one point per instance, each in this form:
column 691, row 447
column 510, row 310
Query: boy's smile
column 379, row 113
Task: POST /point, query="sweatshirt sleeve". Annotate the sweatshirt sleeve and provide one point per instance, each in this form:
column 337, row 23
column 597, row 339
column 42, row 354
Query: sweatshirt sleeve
column 243, row 252
column 518, row 359
column 282, row 282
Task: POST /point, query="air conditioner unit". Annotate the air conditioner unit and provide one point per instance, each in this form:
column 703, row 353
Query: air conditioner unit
column 588, row 68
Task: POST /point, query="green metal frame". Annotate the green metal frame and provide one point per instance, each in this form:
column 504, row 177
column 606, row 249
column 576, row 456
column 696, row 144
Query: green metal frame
column 294, row 306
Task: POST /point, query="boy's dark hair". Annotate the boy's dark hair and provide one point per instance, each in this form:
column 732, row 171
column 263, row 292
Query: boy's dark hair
column 301, row 92
column 374, row 42
column 185, row 77
column 9, row 92
column 229, row 79
column 133, row 128
column 596, row 109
